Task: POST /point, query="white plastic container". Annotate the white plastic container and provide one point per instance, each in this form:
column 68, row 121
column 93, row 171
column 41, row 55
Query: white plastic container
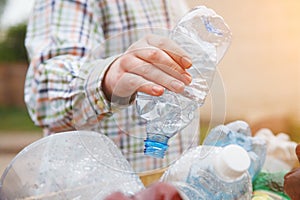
column 210, row 172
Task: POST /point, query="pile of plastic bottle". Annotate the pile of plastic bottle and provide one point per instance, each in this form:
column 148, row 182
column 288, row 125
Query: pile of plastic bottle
column 234, row 164
column 88, row 165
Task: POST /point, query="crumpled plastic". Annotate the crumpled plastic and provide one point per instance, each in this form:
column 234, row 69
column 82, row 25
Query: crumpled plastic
column 280, row 151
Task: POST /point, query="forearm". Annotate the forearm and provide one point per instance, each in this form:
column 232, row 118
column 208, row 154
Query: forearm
column 64, row 93
column 57, row 41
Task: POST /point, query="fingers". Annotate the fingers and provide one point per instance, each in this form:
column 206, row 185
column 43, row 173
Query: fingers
column 122, row 81
column 129, row 83
column 162, row 61
column 117, row 195
column 171, row 48
column 291, row 183
column 159, row 191
column 148, row 66
column 151, row 75
column 168, row 46
column 151, row 89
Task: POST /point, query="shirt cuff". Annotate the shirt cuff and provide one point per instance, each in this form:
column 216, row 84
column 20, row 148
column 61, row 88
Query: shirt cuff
column 95, row 94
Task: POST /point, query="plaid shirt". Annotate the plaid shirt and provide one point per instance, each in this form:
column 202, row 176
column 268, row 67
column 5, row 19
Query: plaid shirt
column 70, row 44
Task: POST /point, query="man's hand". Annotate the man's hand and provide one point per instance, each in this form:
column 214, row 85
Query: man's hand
column 292, row 180
column 158, row 191
column 149, row 65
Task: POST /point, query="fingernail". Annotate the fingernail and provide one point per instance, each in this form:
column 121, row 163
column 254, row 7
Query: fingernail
column 186, row 62
column 177, row 85
column 157, row 90
column 187, row 78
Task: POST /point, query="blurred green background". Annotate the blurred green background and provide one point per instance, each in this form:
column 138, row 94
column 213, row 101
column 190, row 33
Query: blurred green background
column 13, row 66
column 16, row 128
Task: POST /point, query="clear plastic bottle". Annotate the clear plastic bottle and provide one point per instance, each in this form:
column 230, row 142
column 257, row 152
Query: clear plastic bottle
column 205, row 37
column 209, row 172
column 238, row 132
column 69, row 165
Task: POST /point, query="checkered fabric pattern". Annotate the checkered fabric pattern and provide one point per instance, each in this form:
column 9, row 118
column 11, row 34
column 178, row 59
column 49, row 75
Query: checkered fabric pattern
column 70, row 44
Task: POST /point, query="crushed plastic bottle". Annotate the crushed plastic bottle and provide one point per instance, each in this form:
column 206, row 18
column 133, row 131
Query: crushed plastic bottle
column 210, row 172
column 280, row 151
column 205, row 37
column 239, row 132
column 69, row 165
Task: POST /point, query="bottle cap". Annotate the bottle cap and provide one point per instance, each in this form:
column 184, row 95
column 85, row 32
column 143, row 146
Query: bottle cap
column 155, row 149
column 232, row 162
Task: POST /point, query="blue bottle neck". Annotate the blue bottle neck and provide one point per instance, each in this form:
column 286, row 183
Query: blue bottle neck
column 156, row 145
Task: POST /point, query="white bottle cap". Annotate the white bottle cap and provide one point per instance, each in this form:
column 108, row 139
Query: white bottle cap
column 232, row 162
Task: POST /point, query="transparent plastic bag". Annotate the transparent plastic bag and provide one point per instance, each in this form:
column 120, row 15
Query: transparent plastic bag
column 69, row 165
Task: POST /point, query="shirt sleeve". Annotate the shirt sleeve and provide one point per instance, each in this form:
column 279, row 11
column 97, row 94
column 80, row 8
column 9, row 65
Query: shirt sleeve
column 62, row 88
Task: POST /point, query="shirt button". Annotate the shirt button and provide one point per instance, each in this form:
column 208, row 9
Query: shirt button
column 100, row 104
